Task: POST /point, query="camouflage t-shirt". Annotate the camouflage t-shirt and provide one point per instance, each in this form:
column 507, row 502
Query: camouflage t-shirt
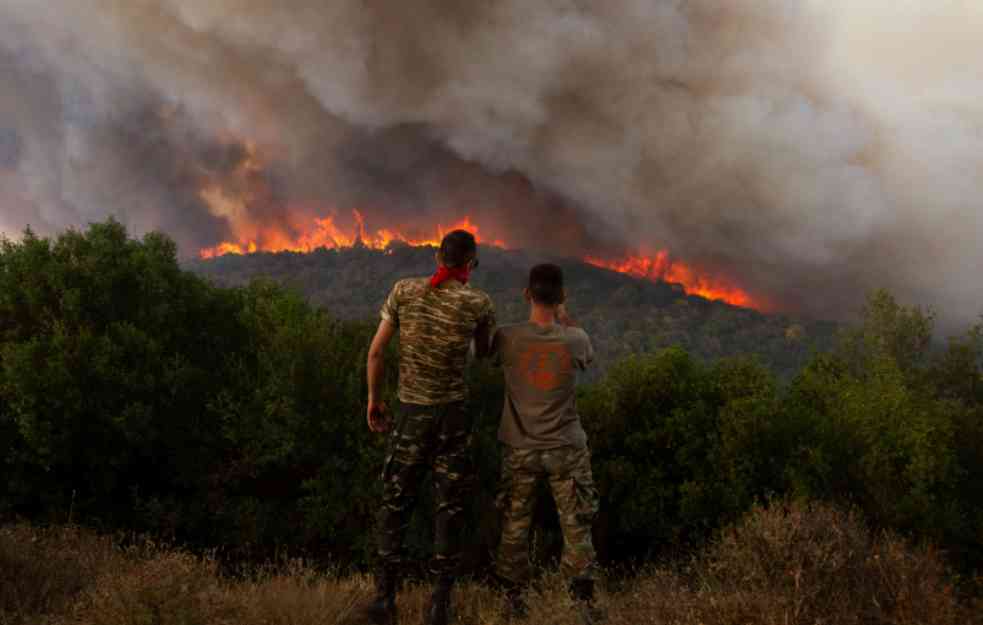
column 435, row 331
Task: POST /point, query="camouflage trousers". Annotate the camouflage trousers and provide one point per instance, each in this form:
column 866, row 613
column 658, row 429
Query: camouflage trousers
column 569, row 473
column 436, row 438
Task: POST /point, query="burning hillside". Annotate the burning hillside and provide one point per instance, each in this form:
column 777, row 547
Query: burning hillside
column 242, row 194
column 323, row 232
column 662, row 267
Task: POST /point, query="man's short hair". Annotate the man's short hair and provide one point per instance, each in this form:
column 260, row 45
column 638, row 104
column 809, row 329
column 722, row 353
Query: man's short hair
column 546, row 284
column 458, row 248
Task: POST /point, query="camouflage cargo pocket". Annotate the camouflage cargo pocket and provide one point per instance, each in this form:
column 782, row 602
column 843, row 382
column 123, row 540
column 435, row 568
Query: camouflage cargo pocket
column 503, row 494
column 395, row 436
column 585, row 492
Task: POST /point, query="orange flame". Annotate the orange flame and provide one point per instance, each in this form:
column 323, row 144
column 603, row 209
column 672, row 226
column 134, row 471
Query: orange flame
column 322, row 232
column 662, row 268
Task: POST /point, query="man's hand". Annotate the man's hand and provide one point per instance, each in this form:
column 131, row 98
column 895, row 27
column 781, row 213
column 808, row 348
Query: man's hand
column 563, row 317
column 376, row 414
column 378, row 417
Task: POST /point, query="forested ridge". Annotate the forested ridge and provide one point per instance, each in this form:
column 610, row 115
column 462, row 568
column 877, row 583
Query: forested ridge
column 135, row 394
column 624, row 315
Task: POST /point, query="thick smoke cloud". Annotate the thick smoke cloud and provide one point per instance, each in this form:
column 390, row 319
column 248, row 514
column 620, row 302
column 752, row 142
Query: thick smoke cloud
column 809, row 150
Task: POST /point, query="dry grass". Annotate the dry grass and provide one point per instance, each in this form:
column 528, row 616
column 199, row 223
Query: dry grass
column 808, row 565
column 43, row 572
column 794, row 565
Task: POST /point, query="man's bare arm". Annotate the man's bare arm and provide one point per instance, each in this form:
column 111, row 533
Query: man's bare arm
column 376, row 366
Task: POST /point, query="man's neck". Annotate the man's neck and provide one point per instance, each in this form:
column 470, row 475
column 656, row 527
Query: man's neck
column 542, row 315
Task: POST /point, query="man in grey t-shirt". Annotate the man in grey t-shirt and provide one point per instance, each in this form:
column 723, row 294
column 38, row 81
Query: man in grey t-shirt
column 542, row 438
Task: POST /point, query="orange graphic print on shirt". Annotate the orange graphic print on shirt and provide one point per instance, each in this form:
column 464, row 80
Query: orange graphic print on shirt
column 545, row 366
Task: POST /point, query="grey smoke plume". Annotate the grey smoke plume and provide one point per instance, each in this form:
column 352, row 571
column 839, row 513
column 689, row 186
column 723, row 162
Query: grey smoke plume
column 808, row 150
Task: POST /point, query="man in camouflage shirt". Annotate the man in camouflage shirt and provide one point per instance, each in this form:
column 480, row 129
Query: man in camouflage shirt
column 437, row 319
column 543, row 439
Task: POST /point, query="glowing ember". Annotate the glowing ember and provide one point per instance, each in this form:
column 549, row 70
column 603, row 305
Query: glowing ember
column 661, row 267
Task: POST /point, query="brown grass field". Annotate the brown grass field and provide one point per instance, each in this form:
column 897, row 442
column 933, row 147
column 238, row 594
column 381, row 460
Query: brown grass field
column 793, row 564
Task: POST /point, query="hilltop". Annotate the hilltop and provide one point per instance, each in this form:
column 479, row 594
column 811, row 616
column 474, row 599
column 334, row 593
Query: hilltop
column 624, row 314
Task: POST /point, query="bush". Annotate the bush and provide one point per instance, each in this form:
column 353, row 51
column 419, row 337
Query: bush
column 134, row 394
column 817, row 561
column 680, row 448
column 108, row 356
column 886, row 433
column 301, row 467
column 804, row 563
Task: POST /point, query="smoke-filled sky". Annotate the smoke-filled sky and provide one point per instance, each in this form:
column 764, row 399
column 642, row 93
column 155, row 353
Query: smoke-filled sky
column 807, row 149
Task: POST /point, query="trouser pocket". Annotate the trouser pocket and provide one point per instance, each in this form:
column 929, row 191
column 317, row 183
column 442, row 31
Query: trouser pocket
column 585, row 491
column 503, row 494
column 409, row 441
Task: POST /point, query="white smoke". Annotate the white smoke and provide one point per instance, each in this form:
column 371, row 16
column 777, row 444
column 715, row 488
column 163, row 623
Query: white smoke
column 811, row 150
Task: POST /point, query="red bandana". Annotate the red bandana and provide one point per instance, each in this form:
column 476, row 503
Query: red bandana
column 461, row 274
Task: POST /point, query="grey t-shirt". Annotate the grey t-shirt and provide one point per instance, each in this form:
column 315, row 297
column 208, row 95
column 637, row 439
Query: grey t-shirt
column 541, row 364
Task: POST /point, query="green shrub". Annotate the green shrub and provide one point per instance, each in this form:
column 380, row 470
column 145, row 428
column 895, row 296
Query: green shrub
column 134, row 394
column 108, row 355
column 894, row 427
column 680, row 447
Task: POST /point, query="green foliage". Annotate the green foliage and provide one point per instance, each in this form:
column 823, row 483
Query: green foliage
column 134, row 392
column 883, row 422
column 876, row 442
column 137, row 395
column 108, row 352
column 680, row 447
column 895, row 427
column 292, row 416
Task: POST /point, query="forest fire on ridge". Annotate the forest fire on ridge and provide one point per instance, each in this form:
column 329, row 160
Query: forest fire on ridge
column 661, row 267
column 305, row 226
column 325, row 232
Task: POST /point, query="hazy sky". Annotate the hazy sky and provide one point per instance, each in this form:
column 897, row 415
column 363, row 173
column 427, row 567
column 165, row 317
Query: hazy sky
column 809, row 149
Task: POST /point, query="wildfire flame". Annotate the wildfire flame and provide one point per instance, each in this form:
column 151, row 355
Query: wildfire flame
column 323, row 232
column 662, row 267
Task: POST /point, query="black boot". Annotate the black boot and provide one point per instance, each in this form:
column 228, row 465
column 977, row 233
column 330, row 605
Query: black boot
column 582, row 591
column 439, row 612
column 381, row 610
